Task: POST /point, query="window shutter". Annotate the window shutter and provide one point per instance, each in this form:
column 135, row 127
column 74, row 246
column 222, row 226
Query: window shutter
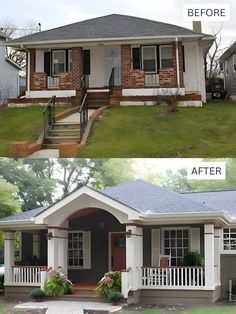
column 87, row 250
column 195, row 239
column 158, row 59
column 87, row 62
column 155, row 247
column 136, row 58
column 183, row 55
column 47, row 63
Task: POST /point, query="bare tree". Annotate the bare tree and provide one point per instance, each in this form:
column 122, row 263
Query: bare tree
column 13, row 31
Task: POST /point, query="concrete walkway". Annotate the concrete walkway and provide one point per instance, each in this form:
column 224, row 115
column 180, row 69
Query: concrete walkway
column 67, row 307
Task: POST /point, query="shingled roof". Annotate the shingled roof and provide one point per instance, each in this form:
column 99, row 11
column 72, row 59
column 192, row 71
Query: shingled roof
column 109, row 26
column 27, row 215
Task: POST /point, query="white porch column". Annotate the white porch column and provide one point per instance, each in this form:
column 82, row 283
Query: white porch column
column 209, row 255
column 57, row 249
column 217, row 243
column 8, row 256
column 134, row 255
column 177, row 61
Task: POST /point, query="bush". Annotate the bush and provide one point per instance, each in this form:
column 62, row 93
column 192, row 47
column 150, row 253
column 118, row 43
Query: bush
column 193, row 259
column 37, row 294
column 115, row 297
column 111, row 282
column 57, row 285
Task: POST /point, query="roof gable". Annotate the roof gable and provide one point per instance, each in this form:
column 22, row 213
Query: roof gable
column 109, row 26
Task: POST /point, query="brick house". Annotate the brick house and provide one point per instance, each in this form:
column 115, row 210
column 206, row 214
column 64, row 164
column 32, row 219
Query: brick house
column 134, row 228
column 132, row 59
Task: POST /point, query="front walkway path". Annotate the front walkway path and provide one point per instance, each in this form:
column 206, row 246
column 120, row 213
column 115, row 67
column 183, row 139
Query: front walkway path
column 67, row 307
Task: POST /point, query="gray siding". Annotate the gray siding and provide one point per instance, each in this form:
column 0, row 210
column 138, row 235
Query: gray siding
column 147, row 230
column 99, row 244
column 228, row 271
column 230, row 79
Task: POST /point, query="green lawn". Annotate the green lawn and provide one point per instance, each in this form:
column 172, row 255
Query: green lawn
column 20, row 124
column 180, row 310
column 154, row 132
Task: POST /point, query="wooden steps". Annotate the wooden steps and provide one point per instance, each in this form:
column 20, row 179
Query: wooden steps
column 97, row 98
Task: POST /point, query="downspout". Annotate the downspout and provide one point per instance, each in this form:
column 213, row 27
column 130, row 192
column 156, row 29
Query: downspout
column 28, row 67
column 177, row 62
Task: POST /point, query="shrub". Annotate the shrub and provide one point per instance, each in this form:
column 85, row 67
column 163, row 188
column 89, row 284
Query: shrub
column 57, row 285
column 37, row 294
column 111, row 282
column 115, row 297
column 193, row 259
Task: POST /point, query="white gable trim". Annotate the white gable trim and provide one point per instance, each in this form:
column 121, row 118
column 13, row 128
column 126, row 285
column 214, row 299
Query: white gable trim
column 86, row 197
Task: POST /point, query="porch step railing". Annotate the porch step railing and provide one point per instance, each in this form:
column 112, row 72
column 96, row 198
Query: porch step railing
column 28, row 275
column 49, row 115
column 115, row 78
column 187, row 277
column 83, row 110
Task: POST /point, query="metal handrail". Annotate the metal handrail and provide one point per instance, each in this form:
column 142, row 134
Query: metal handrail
column 112, row 80
column 49, row 115
column 83, row 111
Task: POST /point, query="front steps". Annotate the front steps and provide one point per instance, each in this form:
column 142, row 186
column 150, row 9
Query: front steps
column 98, row 98
column 62, row 132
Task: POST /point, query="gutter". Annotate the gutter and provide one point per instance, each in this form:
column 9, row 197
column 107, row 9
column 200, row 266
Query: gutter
column 63, row 41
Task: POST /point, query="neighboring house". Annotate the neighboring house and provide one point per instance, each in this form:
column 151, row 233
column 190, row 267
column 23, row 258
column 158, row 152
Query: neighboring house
column 126, row 59
column 9, row 73
column 129, row 228
column 228, row 60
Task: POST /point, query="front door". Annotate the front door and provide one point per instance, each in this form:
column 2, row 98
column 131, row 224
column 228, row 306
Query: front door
column 118, row 251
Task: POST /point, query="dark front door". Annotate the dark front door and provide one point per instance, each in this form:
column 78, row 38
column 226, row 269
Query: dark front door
column 118, row 251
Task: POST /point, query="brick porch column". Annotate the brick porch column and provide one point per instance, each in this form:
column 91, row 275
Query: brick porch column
column 9, row 259
column 77, row 69
column 125, row 64
column 32, row 67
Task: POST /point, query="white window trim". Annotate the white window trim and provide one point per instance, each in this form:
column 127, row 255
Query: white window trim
column 143, row 47
column 54, row 51
column 174, row 228
column 76, row 267
column 226, row 252
column 160, row 47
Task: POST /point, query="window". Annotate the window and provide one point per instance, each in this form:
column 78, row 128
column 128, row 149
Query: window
column 136, row 58
column 234, row 63
column 149, row 58
column 58, row 62
column 176, row 244
column 75, row 249
column 229, row 239
column 166, row 56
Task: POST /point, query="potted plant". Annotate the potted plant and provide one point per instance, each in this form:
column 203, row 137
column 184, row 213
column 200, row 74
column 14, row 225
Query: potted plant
column 38, row 295
column 193, row 259
column 115, row 297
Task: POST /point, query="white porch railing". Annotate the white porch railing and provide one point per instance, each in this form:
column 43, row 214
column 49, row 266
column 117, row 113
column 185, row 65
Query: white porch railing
column 173, row 277
column 28, row 275
column 53, row 82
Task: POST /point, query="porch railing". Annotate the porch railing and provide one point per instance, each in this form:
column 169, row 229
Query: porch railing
column 115, row 78
column 53, row 82
column 83, row 111
column 28, row 275
column 49, row 114
column 151, row 79
column 187, row 277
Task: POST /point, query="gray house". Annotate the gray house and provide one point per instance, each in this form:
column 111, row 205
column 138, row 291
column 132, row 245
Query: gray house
column 137, row 228
column 228, row 61
column 9, row 73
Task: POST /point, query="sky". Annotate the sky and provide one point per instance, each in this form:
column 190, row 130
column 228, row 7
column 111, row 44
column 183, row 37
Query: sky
column 60, row 12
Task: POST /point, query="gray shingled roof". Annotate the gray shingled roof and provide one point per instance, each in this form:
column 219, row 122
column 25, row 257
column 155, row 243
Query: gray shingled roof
column 27, row 215
column 149, row 198
column 110, row 26
column 220, row 200
column 3, row 35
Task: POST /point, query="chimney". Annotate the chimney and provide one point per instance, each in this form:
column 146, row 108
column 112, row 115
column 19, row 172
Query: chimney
column 39, row 27
column 197, row 26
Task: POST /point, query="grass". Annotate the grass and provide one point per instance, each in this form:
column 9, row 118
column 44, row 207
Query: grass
column 193, row 310
column 20, row 124
column 153, row 132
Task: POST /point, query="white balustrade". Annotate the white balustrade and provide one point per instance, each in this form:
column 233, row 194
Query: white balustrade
column 28, row 275
column 186, row 277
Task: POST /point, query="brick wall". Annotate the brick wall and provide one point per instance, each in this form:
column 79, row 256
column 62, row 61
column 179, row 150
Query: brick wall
column 77, row 67
column 115, row 96
column 38, row 81
column 32, row 67
column 65, row 80
column 130, row 77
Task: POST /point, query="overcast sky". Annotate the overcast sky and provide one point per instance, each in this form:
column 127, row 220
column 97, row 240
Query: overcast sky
column 60, row 12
